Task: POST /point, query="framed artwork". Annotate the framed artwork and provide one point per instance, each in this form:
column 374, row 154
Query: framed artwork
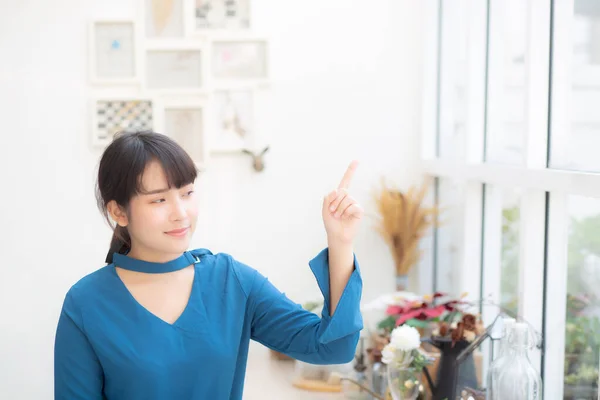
column 185, row 122
column 233, row 120
column 113, row 52
column 174, row 68
column 221, row 15
column 163, row 18
column 239, row 60
column 115, row 114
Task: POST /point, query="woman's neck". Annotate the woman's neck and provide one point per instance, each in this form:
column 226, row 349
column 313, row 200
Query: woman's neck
column 140, row 253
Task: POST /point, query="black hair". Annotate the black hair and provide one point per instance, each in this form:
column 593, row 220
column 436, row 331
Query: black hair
column 120, row 174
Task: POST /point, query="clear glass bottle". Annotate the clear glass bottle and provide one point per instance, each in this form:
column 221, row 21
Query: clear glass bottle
column 517, row 379
column 503, row 349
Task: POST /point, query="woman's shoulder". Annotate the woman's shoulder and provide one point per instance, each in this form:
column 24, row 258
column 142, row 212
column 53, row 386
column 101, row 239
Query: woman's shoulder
column 223, row 265
column 94, row 278
column 222, row 260
column 89, row 285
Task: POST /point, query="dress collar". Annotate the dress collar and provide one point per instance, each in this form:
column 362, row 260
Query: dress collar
column 133, row 264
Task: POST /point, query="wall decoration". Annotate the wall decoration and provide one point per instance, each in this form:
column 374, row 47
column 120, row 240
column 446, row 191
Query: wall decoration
column 113, row 57
column 110, row 116
column 187, row 68
column 239, row 59
column 233, row 120
column 186, row 126
column 164, row 18
column 221, row 14
column 174, row 69
column 258, row 162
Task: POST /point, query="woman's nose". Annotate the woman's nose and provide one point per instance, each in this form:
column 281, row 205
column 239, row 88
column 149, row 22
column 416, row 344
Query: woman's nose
column 178, row 211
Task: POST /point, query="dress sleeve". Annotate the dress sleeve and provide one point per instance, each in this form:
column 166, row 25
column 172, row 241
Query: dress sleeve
column 77, row 371
column 284, row 326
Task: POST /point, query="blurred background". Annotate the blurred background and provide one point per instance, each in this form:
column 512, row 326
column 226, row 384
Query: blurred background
column 478, row 117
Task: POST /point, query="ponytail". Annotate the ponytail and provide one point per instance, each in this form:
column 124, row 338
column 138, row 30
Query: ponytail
column 120, row 243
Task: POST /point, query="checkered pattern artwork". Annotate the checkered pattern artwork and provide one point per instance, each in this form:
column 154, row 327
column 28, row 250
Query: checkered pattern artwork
column 113, row 116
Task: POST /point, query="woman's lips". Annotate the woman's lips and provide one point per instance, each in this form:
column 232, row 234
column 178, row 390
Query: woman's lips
column 178, row 232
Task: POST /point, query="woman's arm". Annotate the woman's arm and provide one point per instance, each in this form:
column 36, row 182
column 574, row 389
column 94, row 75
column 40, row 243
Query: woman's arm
column 341, row 267
column 341, row 216
column 282, row 325
column 77, row 371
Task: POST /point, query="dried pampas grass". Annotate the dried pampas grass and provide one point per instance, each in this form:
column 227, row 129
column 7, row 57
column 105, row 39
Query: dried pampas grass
column 404, row 220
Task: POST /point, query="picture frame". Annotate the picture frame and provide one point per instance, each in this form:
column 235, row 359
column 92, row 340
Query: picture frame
column 208, row 17
column 175, row 67
column 232, row 120
column 186, row 121
column 239, row 61
column 114, row 52
column 110, row 114
column 163, row 19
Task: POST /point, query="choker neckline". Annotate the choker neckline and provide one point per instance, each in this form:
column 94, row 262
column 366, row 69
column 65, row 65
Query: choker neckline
column 134, row 264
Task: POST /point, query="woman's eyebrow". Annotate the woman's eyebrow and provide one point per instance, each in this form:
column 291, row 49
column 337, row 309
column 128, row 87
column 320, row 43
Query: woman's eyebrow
column 155, row 191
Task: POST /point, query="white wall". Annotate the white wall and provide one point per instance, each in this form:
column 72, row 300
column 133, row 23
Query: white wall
column 346, row 80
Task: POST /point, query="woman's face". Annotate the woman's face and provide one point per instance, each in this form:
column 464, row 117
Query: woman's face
column 161, row 221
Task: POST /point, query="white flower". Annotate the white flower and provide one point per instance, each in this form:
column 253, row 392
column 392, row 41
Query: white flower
column 394, row 356
column 388, row 354
column 405, row 338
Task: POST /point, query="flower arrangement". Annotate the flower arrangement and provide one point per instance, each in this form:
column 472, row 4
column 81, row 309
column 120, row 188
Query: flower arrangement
column 422, row 312
column 404, row 350
column 405, row 360
column 404, row 220
column 467, row 328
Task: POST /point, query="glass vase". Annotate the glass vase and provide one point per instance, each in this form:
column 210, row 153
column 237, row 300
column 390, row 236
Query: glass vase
column 404, row 383
column 498, row 364
column 518, row 379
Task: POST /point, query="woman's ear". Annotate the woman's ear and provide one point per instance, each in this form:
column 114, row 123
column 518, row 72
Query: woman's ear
column 117, row 213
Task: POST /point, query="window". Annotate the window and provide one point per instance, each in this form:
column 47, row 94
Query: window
column 449, row 236
column 582, row 332
column 576, row 139
column 453, row 80
column 519, row 129
column 502, row 247
column 507, row 80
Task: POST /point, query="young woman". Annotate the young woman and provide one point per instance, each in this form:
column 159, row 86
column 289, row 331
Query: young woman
column 161, row 322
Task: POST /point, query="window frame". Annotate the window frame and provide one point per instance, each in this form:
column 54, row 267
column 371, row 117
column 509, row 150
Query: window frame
column 544, row 215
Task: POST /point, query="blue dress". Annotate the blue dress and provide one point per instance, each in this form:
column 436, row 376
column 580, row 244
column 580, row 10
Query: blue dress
column 108, row 346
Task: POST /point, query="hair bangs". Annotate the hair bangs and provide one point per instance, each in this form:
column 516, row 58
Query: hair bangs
column 178, row 166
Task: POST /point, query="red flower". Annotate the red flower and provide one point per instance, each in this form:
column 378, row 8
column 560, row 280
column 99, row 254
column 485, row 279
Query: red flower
column 421, row 314
column 394, row 310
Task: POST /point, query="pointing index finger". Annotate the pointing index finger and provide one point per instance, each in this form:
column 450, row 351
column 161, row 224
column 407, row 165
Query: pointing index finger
column 347, row 178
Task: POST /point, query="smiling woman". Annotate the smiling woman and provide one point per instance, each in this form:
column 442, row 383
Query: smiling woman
column 163, row 322
column 151, row 169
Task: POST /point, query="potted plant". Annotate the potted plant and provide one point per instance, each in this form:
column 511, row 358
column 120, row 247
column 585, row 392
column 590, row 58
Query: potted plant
column 452, row 338
column 445, row 324
column 405, row 360
column 404, row 220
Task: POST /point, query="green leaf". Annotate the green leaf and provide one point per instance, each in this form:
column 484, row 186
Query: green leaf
column 417, row 323
column 388, row 323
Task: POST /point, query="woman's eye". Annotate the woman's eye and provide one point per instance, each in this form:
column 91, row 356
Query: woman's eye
column 189, row 193
column 158, row 201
